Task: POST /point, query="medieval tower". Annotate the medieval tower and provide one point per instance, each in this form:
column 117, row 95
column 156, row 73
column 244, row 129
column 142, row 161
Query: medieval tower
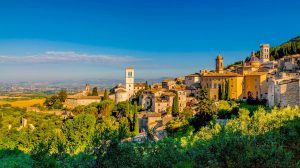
column 87, row 90
column 219, row 64
column 264, row 53
column 129, row 80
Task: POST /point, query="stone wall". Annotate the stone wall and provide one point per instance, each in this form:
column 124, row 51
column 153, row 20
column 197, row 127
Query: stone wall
column 289, row 93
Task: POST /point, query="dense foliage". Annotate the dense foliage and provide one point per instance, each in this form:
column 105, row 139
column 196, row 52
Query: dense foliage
column 56, row 101
column 288, row 48
column 259, row 139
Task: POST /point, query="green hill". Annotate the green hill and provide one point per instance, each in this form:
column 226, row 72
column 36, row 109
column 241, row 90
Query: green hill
column 288, row 48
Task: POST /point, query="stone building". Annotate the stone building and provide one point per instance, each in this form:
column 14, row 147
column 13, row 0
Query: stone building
column 255, row 85
column 264, row 53
column 129, row 81
column 82, row 98
column 246, row 80
column 121, row 93
column 73, row 101
column 182, row 99
column 161, row 101
column 139, row 86
column 213, row 81
column 87, row 90
column 156, row 100
column 168, row 84
column 284, row 92
column 289, row 63
column 192, row 79
column 219, row 64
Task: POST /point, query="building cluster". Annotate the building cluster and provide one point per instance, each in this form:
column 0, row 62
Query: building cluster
column 119, row 93
column 248, row 79
column 275, row 81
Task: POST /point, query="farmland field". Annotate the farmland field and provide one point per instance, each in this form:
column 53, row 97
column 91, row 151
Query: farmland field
column 23, row 103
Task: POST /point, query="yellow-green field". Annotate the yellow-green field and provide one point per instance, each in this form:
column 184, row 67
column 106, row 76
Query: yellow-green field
column 23, row 103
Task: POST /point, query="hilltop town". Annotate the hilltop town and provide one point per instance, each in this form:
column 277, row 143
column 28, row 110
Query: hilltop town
column 253, row 102
column 271, row 82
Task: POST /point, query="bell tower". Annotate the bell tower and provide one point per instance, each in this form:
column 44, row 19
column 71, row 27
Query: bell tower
column 129, row 80
column 219, row 64
column 264, row 53
column 87, row 90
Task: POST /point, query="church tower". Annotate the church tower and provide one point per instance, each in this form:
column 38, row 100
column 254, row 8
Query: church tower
column 87, row 90
column 129, row 79
column 219, row 64
column 264, row 53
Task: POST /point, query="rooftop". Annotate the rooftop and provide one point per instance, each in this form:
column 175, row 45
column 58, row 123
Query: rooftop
column 225, row 74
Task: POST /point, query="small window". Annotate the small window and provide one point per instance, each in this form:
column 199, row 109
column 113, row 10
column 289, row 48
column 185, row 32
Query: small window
column 129, row 74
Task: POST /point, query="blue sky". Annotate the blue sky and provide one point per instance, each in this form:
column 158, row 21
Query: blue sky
column 68, row 39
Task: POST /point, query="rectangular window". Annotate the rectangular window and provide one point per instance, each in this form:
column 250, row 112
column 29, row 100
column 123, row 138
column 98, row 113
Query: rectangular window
column 130, row 74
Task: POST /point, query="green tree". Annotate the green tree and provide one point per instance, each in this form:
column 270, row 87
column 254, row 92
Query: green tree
column 53, row 102
column 186, row 114
column 106, row 107
column 203, row 94
column 105, row 97
column 205, row 110
column 95, row 91
column 220, row 92
column 226, row 90
column 147, row 86
column 79, row 132
column 136, row 119
column 124, row 129
column 62, row 95
column 223, row 92
column 175, row 106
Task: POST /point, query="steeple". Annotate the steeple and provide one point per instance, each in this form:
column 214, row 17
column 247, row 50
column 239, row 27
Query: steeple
column 264, row 53
column 219, row 64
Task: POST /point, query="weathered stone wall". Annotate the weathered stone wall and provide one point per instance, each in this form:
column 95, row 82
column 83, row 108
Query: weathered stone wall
column 289, row 93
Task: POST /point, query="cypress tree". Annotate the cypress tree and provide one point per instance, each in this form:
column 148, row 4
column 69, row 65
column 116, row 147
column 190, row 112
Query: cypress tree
column 220, row 92
column 95, row 91
column 203, row 94
column 223, row 92
column 147, row 86
column 136, row 119
column 175, row 106
column 105, row 97
column 226, row 90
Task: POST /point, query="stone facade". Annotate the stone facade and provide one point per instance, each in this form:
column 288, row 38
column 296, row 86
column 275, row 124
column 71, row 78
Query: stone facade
column 121, row 94
column 129, row 81
column 72, row 102
column 160, row 101
column 284, row 92
column 192, row 79
column 264, row 53
column 168, row 84
column 255, row 85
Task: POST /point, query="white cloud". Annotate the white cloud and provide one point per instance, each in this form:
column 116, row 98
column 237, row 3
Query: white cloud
column 68, row 57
